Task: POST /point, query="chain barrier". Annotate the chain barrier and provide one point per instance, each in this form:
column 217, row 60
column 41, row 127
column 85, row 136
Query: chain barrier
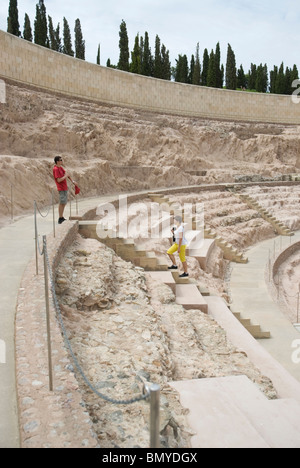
column 151, row 392
column 75, row 360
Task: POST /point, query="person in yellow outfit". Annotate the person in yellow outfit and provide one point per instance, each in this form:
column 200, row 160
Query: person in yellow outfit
column 179, row 246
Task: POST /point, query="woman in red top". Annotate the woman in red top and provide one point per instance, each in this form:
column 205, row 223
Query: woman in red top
column 61, row 177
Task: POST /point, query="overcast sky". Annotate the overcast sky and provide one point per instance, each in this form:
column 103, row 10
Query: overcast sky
column 266, row 31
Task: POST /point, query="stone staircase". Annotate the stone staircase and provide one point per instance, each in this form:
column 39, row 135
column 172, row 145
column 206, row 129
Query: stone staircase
column 231, row 412
column 255, row 330
column 278, row 226
column 229, row 251
column 124, row 248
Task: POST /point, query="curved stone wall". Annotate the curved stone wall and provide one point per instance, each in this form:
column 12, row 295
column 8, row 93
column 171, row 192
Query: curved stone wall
column 28, row 63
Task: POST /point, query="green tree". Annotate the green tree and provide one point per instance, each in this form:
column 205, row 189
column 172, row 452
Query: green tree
column 218, row 71
column 231, row 69
column 52, row 36
column 79, row 42
column 261, row 84
column 67, row 47
column 196, row 77
column 252, row 77
column 182, row 69
column 192, row 69
column 27, row 32
column 40, row 25
column 123, row 63
column 58, row 39
column 157, row 71
column 205, row 67
column 98, row 55
column 280, row 86
column 241, row 78
column 211, row 75
column 13, row 26
column 273, row 79
column 136, row 66
column 147, row 62
column 166, row 64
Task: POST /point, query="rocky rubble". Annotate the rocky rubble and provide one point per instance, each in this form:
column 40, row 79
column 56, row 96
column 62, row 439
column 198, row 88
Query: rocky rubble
column 125, row 330
column 94, row 140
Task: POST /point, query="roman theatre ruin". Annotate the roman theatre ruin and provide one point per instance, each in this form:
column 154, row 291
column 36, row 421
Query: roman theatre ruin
column 222, row 344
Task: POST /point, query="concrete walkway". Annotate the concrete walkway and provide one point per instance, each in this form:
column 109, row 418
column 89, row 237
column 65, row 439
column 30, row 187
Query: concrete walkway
column 251, row 297
column 16, row 250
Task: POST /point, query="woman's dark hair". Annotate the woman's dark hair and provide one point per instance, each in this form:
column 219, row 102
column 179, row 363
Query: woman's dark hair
column 57, row 158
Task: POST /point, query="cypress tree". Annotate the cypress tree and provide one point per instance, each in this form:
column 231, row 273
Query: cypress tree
column 261, row 84
column 135, row 66
column 211, row 75
column 252, row 77
column 241, row 78
column 40, row 25
column 230, row 69
column 205, row 67
column 98, row 55
column 147, row 57
column 273, row 79
column 182, row 69
column 79, row 42
column 192, row 69
column 288, row 82
column 218, row 71
column 166, row 64
column 67, row 47
column 196, row 77
column 13, row 26
column 52, row 37
column 27, row 33
column 280, row 85
column 157, row 72
column 124, row 48
column 141, row 52
column 58, row 39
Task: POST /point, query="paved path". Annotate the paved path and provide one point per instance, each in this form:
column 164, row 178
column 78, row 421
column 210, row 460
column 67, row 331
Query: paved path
column 253, row 299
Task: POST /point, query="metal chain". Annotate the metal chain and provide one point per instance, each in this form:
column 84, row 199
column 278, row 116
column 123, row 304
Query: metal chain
column 43, row 216
column 80, row 370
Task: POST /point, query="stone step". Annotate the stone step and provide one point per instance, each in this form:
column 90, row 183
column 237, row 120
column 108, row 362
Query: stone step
column 189, row 296
column 231, row 412
column 165, row 277
column 176, row 274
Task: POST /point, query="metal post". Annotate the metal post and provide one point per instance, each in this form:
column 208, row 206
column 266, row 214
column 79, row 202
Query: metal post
column 53, row 212
column 298, row 304
column 36, row 241
column 154, row 415
column 11, row 203
column 48, row 315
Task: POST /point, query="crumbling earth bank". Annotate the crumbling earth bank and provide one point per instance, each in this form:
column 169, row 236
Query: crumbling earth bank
column 98, row 141
column 126, row 329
